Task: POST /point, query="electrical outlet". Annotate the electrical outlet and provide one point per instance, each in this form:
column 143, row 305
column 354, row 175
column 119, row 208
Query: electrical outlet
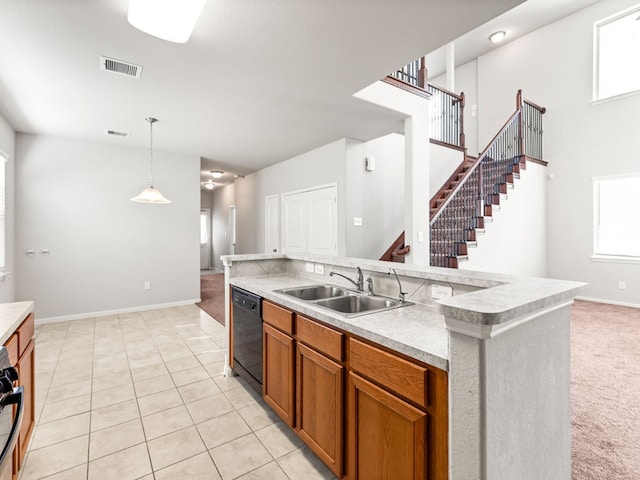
column 441, row 291
column 308, row 267
column 622, row 285
column 147, row 285
column 320, row 269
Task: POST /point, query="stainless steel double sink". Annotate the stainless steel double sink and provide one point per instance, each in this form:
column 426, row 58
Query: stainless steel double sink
column 351, row 303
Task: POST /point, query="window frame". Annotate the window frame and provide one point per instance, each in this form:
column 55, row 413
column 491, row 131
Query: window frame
column 596, row 96
column 4, row 159
column 598, row 255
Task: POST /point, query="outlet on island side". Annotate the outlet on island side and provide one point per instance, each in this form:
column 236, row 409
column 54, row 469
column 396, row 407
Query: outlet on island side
column 147, row 285
column 441, row 291
column 622, row 285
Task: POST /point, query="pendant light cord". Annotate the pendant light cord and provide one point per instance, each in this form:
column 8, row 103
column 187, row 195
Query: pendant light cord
column 151, row 121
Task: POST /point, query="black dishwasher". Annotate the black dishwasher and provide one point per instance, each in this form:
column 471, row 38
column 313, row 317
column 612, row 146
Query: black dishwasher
column 247, row 334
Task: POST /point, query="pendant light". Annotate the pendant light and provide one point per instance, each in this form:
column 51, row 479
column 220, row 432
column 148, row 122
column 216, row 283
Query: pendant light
column 150, row 194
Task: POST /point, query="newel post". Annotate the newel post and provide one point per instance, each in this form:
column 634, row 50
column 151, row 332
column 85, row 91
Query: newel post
column 422, row 73
column 520, row 126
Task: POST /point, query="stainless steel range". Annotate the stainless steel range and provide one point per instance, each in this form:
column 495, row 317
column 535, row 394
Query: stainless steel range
column 11, row 410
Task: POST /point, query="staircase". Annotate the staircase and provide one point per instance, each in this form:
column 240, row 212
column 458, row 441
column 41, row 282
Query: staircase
column 467, row 200
column 459, row 211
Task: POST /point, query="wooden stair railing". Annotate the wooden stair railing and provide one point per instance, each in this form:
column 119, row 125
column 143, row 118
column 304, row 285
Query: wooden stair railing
column 397, row 251
column 459, row 212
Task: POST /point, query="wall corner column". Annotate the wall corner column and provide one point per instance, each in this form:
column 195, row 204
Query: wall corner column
column 509, row 396
column 417, row 194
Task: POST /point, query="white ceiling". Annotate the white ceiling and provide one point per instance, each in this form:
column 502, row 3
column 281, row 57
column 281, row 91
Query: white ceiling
column 257, row 83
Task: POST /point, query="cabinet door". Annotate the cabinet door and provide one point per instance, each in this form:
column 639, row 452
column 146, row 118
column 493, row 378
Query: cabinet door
column 278, row 372
column 387, row 436
column 319, row 406
column 26, row 371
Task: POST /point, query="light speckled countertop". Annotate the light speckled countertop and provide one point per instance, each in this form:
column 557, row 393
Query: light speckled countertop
column 415, row 330
column 480, row 300
column 11, row 316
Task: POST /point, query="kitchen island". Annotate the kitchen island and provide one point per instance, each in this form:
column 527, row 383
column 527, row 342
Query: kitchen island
column 502, row 343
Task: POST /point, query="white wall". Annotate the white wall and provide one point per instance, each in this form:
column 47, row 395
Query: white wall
column 7, row 145
column 444, row 161
column 223, row 198
column 321, row 166
column 515, row 242
column 553, row 66
column 377, row 197
column 72, row 197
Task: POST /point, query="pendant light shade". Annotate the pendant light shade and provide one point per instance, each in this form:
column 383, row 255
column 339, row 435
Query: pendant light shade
column 151, row 194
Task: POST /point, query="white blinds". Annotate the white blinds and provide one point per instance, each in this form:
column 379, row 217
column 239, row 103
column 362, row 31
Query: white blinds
column 617, row 216
column 3, row 215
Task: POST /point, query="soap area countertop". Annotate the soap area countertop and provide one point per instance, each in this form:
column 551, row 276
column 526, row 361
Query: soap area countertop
column 11, row 316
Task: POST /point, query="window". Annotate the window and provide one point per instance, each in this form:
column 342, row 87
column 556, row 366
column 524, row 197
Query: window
column 204, row 227
column 616, row 59
column 3, row 215
column 617, row 217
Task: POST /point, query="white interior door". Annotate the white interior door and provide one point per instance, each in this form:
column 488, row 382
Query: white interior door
column 271, row 227
column 310, row 221
column 322, row 229
column 205, row 239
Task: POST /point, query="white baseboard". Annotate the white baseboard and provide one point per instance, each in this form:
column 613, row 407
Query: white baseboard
column 80, row 316
column 610, row 302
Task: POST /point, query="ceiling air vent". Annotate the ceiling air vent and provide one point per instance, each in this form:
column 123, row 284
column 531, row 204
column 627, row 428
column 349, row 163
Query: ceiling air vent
column 117, row 134
column 117, row 66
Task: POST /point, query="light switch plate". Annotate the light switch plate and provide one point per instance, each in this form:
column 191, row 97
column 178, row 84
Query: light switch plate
column 308, row 267
column 357, row 221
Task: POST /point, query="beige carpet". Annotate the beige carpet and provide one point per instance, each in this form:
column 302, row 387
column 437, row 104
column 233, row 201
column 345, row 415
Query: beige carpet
column 212, row 295
column 605, row 391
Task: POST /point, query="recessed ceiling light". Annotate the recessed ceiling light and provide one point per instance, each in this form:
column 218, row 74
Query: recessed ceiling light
column 216, row 173
column 497, row 37
column 209, row 185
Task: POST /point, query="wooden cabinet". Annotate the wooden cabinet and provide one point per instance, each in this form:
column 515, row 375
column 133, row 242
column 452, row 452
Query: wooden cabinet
column 319, row 394
column 20, row 347
column 278, row 353
column 26, row 370
column 397, row 417
column 387, row 436
column 368, row 413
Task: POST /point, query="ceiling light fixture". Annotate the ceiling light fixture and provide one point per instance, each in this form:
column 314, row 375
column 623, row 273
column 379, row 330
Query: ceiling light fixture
column 216, row 173
column 171, row 20
column 497, row 37
column 150, row 194
column 209, row 185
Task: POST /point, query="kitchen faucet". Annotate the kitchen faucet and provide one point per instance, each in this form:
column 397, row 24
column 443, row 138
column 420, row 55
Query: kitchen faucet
column 401, row 294
column 359, row 284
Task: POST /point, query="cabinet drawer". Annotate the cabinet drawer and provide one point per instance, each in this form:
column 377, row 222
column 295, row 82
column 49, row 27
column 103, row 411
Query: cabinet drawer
column 278, row 317
column 12, row 349
column 401, row 376
column 25, row 333
column 324, row 339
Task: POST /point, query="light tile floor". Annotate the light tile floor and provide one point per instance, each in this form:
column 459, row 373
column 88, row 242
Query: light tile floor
column 142, row 396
